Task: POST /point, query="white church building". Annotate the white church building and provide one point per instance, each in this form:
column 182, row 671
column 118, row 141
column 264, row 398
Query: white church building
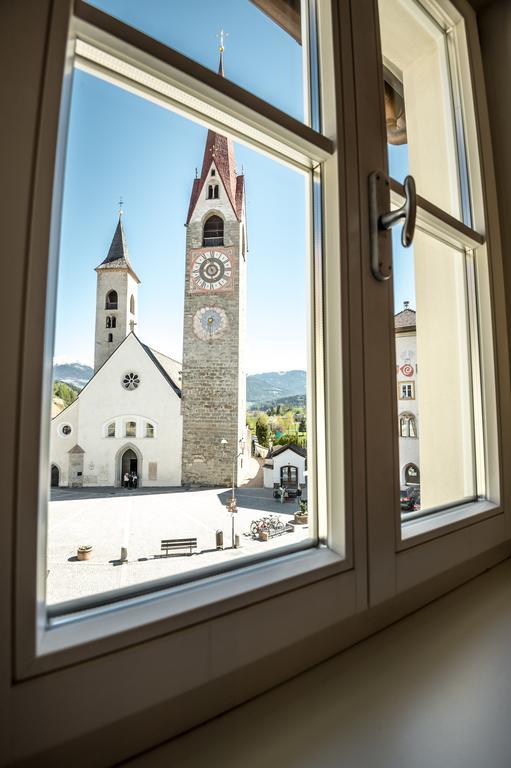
column 128, row 417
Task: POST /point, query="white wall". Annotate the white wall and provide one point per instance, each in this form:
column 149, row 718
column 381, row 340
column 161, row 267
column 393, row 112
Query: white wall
column 286, row 458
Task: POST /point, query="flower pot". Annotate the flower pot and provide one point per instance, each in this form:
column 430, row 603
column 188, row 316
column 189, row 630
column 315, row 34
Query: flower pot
column 84, row 554
column 302, row 519
column 263, row 536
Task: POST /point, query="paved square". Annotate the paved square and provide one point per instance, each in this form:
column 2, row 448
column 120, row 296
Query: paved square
column 138, row 519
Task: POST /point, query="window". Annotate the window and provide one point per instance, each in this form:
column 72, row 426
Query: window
column 149, row 429
column 213, row 172
column 110, row 337
column 132, row 304
column 210, row 192
column 113, row 321
column 406, row 391
column 215, row 191
column 65, row 430
column 130, row 381
column 110, row 430
column 111, row 300
column 213, row 231
column 363, row 559
column 407, row 425
column 131, row 429
column 108, row 322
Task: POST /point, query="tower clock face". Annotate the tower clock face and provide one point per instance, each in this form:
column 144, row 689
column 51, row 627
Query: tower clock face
column 211, row 271
column 209, row 323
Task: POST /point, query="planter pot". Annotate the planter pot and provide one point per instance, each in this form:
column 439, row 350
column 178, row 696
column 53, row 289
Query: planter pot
column 302, row 519
column 82, row 554
column 263, row 536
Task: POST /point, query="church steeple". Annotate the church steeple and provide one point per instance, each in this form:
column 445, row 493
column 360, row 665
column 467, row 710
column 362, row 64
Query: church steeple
column 116, row 297
column 219, row 158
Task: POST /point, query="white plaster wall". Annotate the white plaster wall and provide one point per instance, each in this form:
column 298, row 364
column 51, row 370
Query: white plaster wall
column 105, row 400
column 414, row 49
column 60, row 445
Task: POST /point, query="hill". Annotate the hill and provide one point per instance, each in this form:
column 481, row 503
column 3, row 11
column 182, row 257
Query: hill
column 263, row 389
column 75, row 374
column 270, row 388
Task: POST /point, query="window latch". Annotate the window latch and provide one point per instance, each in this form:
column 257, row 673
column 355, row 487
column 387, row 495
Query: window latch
column 381, row 220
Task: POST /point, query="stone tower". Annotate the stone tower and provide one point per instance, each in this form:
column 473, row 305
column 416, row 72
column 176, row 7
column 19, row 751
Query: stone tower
column 214, row 381
column 116, row 298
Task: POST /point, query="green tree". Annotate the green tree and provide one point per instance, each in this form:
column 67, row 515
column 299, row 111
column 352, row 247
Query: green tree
column 263, row 430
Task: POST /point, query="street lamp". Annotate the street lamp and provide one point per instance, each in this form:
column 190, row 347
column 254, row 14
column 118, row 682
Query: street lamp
column 231, row 505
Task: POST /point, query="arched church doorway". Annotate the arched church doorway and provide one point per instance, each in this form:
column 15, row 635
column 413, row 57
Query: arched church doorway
column 55, row 476
column 128, row 460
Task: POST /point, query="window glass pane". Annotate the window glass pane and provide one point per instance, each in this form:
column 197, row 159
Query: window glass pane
column 262, row 40
column 423, row 113
column 207, row 357
column 433, row 371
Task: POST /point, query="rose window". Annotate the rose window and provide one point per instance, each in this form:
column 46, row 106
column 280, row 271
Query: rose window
column 130, row 381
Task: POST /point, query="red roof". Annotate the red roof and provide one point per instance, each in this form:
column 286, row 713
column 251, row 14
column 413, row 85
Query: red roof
column 219, row 149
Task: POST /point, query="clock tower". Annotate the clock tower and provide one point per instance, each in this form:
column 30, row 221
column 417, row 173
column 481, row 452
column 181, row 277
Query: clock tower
column 213, row 378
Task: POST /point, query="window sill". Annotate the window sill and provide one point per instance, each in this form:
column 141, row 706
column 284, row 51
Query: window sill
column 438, row 523
column 76, row 637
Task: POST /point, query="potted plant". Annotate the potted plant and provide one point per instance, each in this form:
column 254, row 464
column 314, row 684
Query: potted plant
column 301, row 515
column 84, row 552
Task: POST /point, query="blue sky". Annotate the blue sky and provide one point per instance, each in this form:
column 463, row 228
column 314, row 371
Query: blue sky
column 122, row 145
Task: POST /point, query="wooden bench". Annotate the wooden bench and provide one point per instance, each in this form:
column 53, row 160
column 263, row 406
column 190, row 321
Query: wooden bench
column 168, row 544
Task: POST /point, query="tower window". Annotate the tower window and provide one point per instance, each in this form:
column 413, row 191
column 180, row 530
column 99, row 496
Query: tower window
column 110, row 337
column 132, row 304
column 210, row 193
column 111, row 300
column 114, row 322
column 213, row 231
column 213, row 172
column 215, row 191
column 108, row 322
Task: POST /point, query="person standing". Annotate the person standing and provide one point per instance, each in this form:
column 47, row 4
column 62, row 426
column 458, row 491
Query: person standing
column 126, row 479
column 135, row 479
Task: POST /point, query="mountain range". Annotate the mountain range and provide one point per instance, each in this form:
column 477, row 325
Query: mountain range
column 263, row 389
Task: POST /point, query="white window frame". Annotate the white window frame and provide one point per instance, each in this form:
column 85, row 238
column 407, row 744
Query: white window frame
column 234, row 636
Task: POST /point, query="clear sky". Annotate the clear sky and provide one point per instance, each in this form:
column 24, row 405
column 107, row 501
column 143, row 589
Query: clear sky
column 404, row 272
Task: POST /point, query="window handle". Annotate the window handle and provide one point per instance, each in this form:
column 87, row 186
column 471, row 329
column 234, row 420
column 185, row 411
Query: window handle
column 381, row 220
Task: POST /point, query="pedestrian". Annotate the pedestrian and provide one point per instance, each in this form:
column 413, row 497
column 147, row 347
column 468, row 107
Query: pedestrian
column 135, row 479
column 130, row 480
column 126, row 479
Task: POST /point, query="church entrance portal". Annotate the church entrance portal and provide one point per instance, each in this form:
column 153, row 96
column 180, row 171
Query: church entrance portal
column 54, row 482
column 129, row 462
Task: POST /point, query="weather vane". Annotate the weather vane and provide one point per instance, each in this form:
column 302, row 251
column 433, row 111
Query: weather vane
column 120, row 206
column 221, row 36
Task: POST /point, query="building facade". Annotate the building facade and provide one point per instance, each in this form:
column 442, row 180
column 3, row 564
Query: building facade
column 407, row 396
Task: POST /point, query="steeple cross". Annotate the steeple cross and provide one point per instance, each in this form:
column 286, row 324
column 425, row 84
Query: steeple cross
column 221, row 36
column 120, row 206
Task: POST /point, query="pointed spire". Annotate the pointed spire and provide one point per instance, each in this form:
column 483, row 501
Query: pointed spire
column 117, row 256
column 221, row 36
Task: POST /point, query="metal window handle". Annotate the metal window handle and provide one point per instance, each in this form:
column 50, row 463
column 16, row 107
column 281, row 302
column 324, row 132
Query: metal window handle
column 408, row 212
column 381, row 220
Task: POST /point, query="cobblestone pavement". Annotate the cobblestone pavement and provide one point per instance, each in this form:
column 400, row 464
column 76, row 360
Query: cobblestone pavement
column 138, row 519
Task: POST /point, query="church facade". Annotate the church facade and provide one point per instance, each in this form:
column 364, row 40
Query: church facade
column 144, row 413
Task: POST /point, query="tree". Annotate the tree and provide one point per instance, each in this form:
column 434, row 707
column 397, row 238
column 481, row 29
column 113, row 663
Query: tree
column 263, row 430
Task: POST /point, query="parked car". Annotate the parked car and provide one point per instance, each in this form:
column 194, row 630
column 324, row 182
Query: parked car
column 410, row 498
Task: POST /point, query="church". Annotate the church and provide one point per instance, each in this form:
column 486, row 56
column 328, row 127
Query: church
column 171, row 423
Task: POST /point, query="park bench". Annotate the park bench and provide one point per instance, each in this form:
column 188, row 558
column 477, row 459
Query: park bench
column 168, row 544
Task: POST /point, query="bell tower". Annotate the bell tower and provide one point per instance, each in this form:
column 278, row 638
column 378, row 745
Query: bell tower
column 214, row 380
column 116, row 298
